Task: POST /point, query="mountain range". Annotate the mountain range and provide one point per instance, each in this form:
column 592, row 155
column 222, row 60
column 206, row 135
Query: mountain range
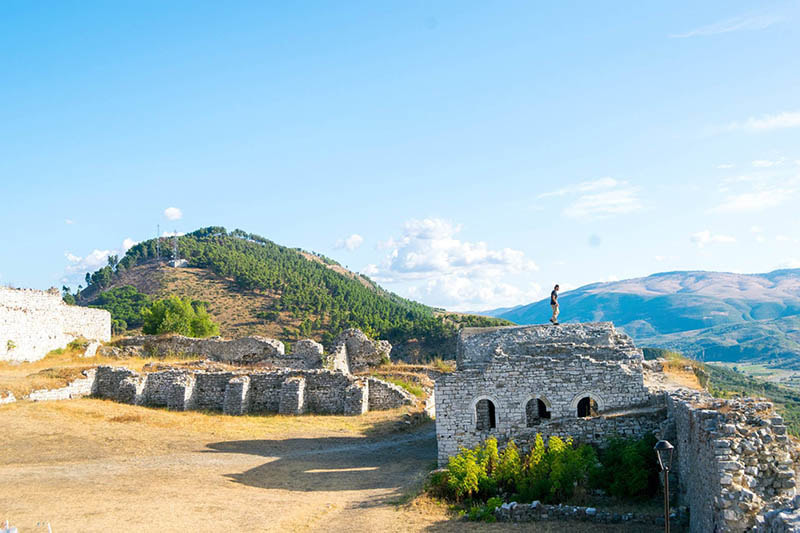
column 708, row 315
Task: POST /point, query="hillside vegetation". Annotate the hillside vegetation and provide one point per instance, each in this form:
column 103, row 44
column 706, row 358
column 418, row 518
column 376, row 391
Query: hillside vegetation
column 251, row 285
column 724, row 382
column 711, row 315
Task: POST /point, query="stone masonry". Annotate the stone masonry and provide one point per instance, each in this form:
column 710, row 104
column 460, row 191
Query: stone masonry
column 506, row 373
column 353, row 351
column 32, row 323
column 733, row 459
column 282, row 391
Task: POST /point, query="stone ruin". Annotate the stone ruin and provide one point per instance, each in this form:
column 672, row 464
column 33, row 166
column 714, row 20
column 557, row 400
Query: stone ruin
column 352, row 351
column 32, row 323
column 291, row 392
column 734, row 462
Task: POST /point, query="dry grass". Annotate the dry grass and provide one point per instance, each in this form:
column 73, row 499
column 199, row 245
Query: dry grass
column 61, row 367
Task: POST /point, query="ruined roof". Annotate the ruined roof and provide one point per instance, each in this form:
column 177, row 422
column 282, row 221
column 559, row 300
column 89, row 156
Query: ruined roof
column 600, row 340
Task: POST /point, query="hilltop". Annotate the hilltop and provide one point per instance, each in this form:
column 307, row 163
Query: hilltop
column 253, row 286
column 715, row 315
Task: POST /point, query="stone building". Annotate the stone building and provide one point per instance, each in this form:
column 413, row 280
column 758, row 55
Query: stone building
column 514, row 382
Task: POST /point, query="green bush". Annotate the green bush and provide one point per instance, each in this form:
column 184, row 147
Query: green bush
column 125, row 305
column 629, row 468
column 484, row 513
column 548, row 473
column 174, row 315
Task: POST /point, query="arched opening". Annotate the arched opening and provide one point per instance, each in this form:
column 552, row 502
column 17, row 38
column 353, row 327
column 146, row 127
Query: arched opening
column 535, row 411
column 484, row 415
column 587, row 407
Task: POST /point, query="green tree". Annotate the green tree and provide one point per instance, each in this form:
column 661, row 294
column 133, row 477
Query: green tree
column 174, row 315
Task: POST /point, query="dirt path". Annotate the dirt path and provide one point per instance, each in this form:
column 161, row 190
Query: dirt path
column 91, row 465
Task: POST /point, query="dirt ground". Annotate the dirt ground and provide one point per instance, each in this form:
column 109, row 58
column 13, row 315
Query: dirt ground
column 92, row 465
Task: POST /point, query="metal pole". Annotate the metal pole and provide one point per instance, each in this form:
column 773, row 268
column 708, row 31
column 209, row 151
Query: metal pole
column 666, row 500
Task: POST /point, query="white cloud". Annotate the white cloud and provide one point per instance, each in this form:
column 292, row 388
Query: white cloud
column 94, row 259
column 790, row 263
column 740, row 23
column 350, row 243
column 787, row 119
column 68, row 221
column 767, row 163
column 429, row 246
column 599, row 198
column 173, row 213
column 725, row 165
column 605, row 204
column 584, row 186
column 370, row 270
column 705, row 237
column 753, row 201
column 435, row 265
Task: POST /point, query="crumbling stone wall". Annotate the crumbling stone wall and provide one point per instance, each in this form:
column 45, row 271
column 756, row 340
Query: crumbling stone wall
column 32, row 323
column 385, row 395
column 353, row 351
column 512, row 366
column 734, row 461
column 285, row 391
column 245, row 350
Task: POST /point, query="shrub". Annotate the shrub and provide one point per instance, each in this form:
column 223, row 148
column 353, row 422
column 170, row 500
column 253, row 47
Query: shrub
column 174, row 315
column 629, row 468
column 485, row 513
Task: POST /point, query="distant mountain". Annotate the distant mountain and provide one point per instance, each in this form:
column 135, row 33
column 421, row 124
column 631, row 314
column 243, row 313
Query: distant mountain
column 716, row 315
column 253, row 286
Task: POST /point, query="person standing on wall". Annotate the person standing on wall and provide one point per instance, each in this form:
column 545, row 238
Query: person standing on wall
column 554, row 304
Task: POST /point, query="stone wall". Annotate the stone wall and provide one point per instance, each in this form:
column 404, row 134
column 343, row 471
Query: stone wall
column 353, row 351
column 32, row 323
column 284, row 391
column 78, row 388
column 558, row 366
column 734, row 462
column 385, row 395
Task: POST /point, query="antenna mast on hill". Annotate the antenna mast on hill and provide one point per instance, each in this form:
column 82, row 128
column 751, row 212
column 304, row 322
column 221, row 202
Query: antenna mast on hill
column 175, row 257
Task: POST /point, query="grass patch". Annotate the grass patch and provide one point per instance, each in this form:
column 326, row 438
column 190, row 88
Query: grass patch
column 414, row 389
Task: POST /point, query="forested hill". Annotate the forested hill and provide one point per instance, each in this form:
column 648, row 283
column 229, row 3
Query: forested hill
column 253, row 286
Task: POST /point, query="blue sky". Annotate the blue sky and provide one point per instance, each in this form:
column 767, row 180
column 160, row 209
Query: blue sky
column 465, row 154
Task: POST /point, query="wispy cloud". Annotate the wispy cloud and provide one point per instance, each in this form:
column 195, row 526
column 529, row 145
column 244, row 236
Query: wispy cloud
column 740, row 23
column 705, row 237
column 584, row 186
column 753, row 201
column 786, row 119
column 767, row 163
column 599, row 198
column 725, row 165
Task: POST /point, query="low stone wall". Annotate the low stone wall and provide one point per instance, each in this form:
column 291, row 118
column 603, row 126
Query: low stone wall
column 537, row 511
column 733, row 458
column 284, row 391
column 76, row 389
column 245, row 350
column 385, row 395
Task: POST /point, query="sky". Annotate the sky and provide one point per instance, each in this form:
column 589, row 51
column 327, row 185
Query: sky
column 468, row 155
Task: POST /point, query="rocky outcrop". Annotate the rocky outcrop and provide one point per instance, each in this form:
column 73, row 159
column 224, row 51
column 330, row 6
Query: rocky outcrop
column 246, row 350
column 353, row 351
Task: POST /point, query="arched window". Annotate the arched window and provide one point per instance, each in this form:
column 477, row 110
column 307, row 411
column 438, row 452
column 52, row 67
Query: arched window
column 587, row 407
column 484, row 415
column 535, row 411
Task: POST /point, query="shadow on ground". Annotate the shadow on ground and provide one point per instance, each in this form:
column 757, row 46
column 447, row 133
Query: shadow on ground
column 336, row 463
